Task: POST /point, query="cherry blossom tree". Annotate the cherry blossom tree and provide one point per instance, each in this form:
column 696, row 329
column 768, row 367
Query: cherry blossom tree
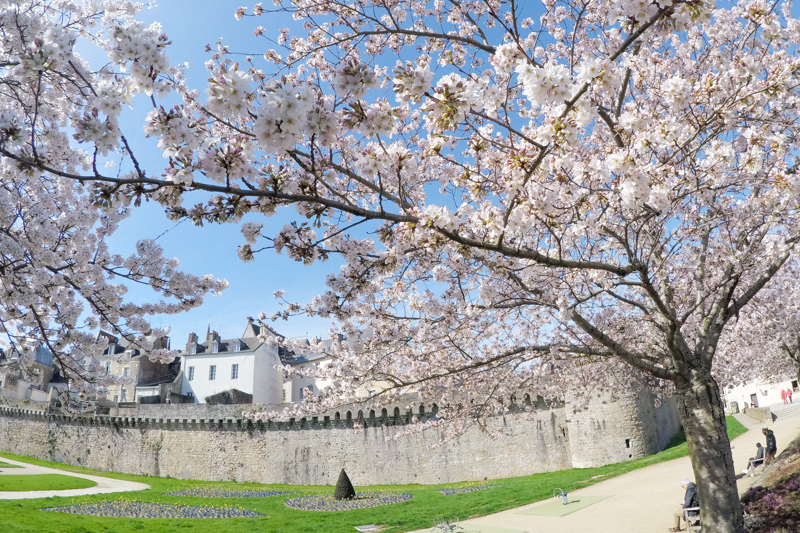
column 526, row 199
column 763, row 344
column 59, row 281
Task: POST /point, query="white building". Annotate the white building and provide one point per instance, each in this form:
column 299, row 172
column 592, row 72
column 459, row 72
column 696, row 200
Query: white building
column 297, row 387
column 246, row 369
column 759, row 394
column 243, row 364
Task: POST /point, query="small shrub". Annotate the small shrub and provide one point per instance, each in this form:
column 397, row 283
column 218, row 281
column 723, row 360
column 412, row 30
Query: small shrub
column 344, row 489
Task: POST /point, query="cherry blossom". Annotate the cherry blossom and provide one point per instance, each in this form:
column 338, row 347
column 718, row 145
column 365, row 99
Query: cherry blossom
column 537, row 201
column 60, row 281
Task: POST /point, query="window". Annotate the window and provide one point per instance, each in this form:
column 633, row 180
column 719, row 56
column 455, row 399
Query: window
column 191, row 373
column 214, row 348
column 234, row 371
column 283, row 398
column 126, row 373
column 190, row 394
column 237, row 346
column 108, row 367
column 212, row 372
column 123, row 395
column 193, row 349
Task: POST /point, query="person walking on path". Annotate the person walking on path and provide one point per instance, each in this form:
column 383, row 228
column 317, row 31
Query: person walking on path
column 789, row 394
column 772, row 445
column 755, row 461
column 689, row 501
column 783, row 396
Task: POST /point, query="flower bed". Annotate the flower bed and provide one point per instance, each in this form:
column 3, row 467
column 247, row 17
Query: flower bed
column 466, row 489
column 131, row 509
column 363, row 500
column 772, row 508
column 212, row 492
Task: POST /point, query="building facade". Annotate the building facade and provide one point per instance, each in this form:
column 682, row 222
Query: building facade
column 240, row 367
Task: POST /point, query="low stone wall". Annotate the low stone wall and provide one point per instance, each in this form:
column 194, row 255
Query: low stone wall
column 193, row 441
column 761, row 414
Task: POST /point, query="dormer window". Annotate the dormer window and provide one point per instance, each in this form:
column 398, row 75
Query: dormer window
column 237, row 346
column 112, row 348
column 215, row 347
column 193, row 349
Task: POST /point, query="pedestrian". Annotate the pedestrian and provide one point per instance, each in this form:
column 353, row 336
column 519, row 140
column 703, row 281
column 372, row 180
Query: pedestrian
column 789, row 393
column 772, row 446
column 783, row 396
column 755, row 461
column 689, row 501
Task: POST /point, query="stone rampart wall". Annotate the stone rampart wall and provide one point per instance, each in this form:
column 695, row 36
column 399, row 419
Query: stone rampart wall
column 620, row 430
column 215, row 443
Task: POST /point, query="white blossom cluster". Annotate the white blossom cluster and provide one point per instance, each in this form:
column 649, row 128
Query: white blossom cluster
column 59, row 280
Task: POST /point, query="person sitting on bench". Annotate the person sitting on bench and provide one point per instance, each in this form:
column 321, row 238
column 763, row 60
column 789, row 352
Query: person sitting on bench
column 758, row 460
column 689, row 501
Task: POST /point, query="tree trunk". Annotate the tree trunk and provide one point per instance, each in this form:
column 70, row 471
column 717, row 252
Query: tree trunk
column 703, row 418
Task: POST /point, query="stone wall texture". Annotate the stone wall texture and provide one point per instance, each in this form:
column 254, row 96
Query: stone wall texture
column 191, row 441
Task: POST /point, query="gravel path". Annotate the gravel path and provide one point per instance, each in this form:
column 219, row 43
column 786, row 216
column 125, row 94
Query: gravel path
column 641, row 501
column 104, row 484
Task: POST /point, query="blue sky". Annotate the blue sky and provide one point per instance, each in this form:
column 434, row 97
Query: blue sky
column 212, row 248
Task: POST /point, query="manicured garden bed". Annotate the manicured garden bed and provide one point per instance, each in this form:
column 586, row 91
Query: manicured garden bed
column 133, row 509
column 213, row 492
column 363, row 500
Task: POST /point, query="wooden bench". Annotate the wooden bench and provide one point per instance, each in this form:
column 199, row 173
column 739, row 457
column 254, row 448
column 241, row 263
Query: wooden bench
column 693, row 521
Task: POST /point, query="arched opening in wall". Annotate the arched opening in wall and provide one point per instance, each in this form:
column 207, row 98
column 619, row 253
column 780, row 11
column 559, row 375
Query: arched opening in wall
column 384, row 415
column 513, row 399
column 397, row 413
column 338, row 417
column 434, row 409
column 421, row 410
column 372, row 414
column 349, row 417
column 527, row 400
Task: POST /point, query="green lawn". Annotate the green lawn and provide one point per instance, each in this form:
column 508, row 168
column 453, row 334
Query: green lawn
column 23, row 515
column 3, row 464
column 43, row 482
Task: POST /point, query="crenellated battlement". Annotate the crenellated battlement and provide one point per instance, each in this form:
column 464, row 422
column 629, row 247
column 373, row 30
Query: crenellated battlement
column 226, row 442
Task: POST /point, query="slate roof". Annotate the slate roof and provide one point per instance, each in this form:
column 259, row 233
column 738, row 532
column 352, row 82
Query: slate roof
column 118, row 346
column 248, row 341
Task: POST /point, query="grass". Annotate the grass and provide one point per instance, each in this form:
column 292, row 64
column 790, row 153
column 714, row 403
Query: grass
column 418, row 513
column 3, row 464
column 43, row 482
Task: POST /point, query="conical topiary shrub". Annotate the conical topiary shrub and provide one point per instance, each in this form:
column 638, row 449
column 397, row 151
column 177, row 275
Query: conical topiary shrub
column 344, row 489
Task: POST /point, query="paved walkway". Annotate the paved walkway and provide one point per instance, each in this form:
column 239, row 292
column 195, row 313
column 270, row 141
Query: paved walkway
column 104, row 484
column 646, row 497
